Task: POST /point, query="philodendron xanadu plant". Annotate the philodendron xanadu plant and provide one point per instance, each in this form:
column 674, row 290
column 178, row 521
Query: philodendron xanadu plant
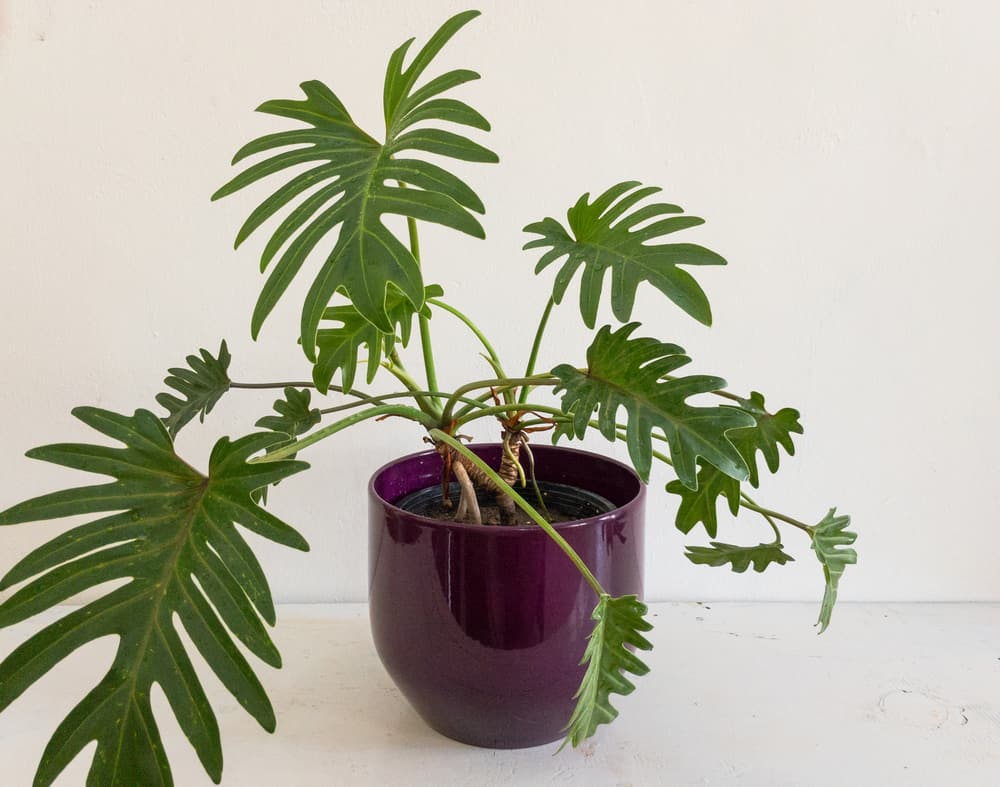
column 171, row 530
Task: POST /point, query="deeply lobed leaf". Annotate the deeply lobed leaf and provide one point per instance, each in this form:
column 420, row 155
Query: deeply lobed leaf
column 738, row 557
column 340, row 345
column 633, row 374
column 620, row 625
column 769, row 431
column 346, row 195
column 176, row 540
column 831, row 541
column 201, row 385
column 604, row 236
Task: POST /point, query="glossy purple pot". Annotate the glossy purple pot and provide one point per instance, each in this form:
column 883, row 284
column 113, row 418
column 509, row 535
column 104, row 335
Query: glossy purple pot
column 483, row 627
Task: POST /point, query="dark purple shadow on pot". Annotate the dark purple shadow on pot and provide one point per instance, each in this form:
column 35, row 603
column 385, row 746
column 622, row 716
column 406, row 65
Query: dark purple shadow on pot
column 483, row 627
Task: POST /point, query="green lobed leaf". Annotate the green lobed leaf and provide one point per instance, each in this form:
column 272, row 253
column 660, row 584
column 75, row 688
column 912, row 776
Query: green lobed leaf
column 603, row 236
column 831, row 541
column 620, row 625
column 342, row 200
column 200, row 386
column 739, row 557
column 699, row 505
column 340, row 345
column 295, row 417
column 631, row 373
column 769, row 431
column 175, row 538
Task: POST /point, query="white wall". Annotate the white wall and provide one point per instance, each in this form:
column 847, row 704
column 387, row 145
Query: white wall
column 845, row 156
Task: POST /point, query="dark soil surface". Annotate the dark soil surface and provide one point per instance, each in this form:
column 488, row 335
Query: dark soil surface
column 562, row 504
column 491, row 515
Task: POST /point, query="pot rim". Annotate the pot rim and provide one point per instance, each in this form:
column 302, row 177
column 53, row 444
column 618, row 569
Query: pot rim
column 636, row 501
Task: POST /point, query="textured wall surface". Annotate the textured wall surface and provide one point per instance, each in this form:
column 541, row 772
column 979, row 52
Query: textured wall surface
column 844, row 157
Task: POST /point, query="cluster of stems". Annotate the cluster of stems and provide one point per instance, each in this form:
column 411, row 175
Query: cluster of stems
column 443, row 414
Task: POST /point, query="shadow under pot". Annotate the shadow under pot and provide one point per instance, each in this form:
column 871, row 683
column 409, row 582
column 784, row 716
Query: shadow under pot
column 482, row 627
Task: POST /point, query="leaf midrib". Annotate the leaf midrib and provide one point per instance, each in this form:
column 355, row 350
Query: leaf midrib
column 164, row 584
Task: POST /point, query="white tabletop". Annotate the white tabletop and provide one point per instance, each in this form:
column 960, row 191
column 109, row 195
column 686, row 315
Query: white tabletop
column 739, row 694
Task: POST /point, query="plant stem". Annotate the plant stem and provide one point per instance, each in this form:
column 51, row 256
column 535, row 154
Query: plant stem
column 506, row 408
column 396, row 368
column 425, row 328
column 507, row 382
column 538, row 519
column 389, row 409
column 296, row 384
column 746, row 502
column 533, row 357
column 380, row 398
column 535, row 346
column 472, row 327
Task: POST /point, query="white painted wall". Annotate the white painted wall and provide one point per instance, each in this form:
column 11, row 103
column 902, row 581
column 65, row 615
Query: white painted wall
column 844, row 155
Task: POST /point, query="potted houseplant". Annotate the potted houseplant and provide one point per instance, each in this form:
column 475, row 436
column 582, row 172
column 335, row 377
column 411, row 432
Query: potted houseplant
column 506, row 552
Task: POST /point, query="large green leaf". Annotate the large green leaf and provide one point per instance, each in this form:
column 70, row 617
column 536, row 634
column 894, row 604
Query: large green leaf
column 174, row 538
column 739, row 558
column 201, row 386
column 699, row 505
column 770, row 431
column 603, row 236
column 831, row 541
column 349, row 191
column 631, row 373
column 620, row 625
column 341, row 344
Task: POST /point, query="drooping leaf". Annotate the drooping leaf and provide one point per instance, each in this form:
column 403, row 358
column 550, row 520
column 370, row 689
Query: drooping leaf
column 341, row 345
column 295, row 417
column 831, row 541
column 174, row 537
column 200, row 386
column 739, row 558
column 770, row 431
column 630, row 373
column 603, row 236
column 699, row 505
column 350, row 191
column 620, row 623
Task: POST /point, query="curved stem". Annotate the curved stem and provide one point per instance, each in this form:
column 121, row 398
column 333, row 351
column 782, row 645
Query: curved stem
column 479, row 400
column 396, row 368
column 533, row 357
column 538, row 519
column 389, row 409
column 380, row 398
column 425, row 329
column 506, row 408
column 472, row 327
column 498, row 383
column 746, row 502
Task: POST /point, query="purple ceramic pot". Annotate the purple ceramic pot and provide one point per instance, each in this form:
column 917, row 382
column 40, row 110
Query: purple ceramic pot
column 483, row 627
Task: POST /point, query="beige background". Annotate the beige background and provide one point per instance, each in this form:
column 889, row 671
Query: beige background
column 844, row 155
